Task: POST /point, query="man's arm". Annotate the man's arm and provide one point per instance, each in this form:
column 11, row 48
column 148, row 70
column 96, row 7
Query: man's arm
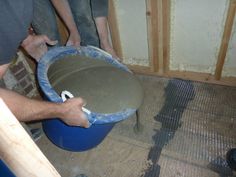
column 26, row 109
column 100, row 13
column 63, row 8
column 102, row 28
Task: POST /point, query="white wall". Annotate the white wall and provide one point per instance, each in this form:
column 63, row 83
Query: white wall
column 131, row 17
column 197, row 27
column 196, row 32
column 230, row 63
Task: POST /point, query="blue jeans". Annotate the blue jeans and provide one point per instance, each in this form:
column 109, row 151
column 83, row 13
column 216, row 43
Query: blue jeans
column 44, row 20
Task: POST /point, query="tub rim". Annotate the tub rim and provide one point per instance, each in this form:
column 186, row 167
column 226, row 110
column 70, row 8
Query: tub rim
column 89, row 51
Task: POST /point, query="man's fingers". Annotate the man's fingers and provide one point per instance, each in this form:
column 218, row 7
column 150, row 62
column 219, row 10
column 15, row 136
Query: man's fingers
column 50, row 42
column 71, row 43
column 85, row 122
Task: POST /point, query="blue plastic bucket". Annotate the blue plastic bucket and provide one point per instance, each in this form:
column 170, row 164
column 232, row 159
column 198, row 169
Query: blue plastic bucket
column 77, row 138
column 5, row 171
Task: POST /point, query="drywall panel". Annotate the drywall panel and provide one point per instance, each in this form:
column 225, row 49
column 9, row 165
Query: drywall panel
column 131, row 19
column 230, row 62
column 196, row 32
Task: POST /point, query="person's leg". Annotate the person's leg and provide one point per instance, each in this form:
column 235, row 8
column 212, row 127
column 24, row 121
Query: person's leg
column 101, row 23
column 99, row 8
column 81, row 11
column 44, row 20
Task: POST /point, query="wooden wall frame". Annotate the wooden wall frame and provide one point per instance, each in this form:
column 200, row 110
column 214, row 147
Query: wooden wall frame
column 226, row 38
column 152, row 12
column 114, row 29
column 158, row 23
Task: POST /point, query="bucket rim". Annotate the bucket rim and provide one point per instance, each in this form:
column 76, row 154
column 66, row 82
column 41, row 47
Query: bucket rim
column 89, row 51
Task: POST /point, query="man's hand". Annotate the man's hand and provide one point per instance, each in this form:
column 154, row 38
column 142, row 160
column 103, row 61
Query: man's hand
column 35, row 45
column 72, row 113
column 74, row 39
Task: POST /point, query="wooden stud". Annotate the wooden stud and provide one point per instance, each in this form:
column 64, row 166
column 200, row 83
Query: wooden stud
column 152, row 25
column 166, row 10
column 225, row 40
column 202, row 77
column 19, row 151
column 194, row 76
column 140, row 69
column 160, row 19
column 114, row 29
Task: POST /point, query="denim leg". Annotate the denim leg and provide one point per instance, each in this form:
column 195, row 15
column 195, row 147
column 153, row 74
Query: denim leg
column 44, row 19
column 99, row 8
column 82, row 14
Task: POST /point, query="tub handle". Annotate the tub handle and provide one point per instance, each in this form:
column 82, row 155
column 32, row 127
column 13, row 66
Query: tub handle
column 66, row 94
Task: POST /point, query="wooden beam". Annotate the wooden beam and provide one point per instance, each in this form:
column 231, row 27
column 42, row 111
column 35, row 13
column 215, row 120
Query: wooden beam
column 160, row 37
column 194, row 76
column 140, row 69
column 225, row 40
column 202, row 77
column 152, row 25
column 114, row 29
column 166, row 11
column 19, row 151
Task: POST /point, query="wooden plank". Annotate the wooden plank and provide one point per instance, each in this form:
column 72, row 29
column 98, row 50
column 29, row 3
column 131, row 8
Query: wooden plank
column 160, row 36
column 152, row 25
column 19, row 151
column 194, row 76
column 225, row 40
column 114, row 29
column 202, row 77
column 140, row 69
column 166, row 10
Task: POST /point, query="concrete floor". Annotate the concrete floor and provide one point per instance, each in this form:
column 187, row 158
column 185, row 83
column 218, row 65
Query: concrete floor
column 187, row 127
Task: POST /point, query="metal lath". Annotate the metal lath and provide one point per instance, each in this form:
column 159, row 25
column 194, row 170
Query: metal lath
column 194, row 126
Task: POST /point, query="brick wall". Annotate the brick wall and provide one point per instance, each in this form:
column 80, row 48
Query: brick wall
column 20, row 77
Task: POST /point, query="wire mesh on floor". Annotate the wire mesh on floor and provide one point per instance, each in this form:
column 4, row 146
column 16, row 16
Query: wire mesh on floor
column 189, row 126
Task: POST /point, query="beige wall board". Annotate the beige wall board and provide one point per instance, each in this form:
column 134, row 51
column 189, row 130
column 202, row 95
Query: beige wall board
column 196, row 32
column 132, row 24
column 230, row 62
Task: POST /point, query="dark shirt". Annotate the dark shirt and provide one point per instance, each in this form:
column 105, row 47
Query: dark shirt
column 15, row 19
column 99, row 8
column 2, row 84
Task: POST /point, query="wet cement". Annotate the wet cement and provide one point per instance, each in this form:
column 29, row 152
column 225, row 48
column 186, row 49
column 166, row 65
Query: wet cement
column 105, row 88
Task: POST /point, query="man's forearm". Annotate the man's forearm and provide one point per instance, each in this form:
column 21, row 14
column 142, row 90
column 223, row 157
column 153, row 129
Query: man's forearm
column 26, row 109
column 63, row 8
